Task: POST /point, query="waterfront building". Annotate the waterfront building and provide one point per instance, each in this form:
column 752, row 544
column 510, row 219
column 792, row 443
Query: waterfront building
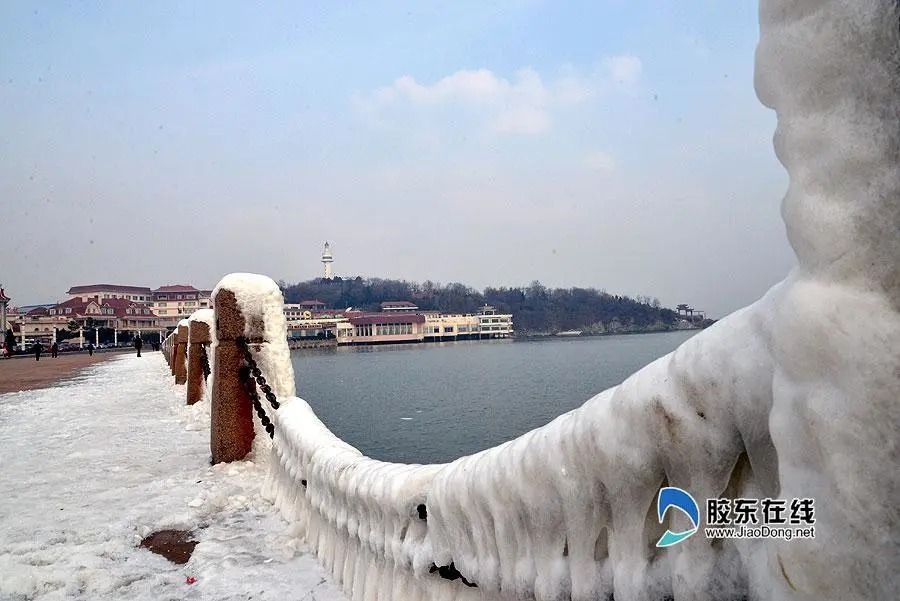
column 382, row 328
column 103, row 291
column 170, row 303
column 494, row 325
column 304, row 309
column 487, row 323
column 399, row 307
column 176, row 302
column 40, row 324
column 90, row 314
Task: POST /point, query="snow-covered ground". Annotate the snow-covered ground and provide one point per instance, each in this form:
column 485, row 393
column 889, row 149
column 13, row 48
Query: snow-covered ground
column 90, row 467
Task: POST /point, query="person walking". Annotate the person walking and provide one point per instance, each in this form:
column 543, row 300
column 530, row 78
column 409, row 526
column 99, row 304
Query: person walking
column 138, row 343
column 91, row 349
column 38, row 349
column 54, row 349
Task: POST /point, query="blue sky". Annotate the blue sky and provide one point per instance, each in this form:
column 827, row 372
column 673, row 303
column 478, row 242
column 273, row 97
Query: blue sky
column 611, row 144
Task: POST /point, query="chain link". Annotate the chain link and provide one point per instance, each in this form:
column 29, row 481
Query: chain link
column 204, row 358
column 251, row 376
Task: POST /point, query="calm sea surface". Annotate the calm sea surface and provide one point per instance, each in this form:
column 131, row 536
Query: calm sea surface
column 430, row 403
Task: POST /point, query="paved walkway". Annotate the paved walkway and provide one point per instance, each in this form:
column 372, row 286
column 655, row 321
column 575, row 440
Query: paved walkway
column 90, row 466
column 24, row 373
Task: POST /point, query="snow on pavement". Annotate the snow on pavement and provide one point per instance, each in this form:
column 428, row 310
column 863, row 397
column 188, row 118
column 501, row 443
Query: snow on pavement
column 90, row 467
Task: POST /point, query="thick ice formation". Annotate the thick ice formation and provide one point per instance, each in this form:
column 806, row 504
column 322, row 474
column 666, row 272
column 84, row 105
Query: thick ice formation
column 259, row 296
column 794, row 396
column 207, row 316
column 831, row 70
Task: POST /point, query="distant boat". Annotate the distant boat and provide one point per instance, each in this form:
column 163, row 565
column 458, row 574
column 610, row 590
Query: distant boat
column 569, row 333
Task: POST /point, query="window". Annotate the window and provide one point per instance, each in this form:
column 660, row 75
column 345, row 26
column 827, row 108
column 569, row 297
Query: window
column 68, row 310
column 448, row 330
column 180, row 296
column 162, row 297
column 162, row 304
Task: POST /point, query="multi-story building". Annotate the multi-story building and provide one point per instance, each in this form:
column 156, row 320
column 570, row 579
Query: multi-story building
column 303, row 310
column 40, row 324
column 487, row 323
column 375, row 328
column 90, row 314
column 170, row 303
column 401, row 321
column 494, row 325
column 176, row 302
column 140, row 294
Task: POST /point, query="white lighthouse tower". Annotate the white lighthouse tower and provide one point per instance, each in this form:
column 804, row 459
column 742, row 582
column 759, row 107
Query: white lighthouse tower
column 327, row 260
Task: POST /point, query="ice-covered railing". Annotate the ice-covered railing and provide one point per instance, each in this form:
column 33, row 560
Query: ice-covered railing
column 797, row 395
column 187, row 351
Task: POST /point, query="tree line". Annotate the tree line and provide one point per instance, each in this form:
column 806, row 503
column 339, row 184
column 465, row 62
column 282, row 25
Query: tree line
column 536, row 309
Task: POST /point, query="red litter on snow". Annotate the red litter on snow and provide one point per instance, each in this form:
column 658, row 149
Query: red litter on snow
column 190, row 580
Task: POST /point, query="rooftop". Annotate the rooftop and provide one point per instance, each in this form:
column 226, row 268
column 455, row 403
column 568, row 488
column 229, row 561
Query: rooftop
column 108, row 288
column 176, row 288
column 381, row 318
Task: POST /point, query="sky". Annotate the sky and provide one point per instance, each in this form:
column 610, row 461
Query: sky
column 72, row 526
column 610, row 144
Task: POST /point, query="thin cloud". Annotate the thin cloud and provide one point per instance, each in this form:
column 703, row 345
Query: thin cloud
column 522, row 105
column 601, row 162
column 625, row 69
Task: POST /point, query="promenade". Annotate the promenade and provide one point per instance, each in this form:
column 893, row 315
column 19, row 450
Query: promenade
column 91, row 466
column 22, row 372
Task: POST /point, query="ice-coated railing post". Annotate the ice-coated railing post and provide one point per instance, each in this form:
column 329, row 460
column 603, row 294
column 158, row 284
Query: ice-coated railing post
column 173, row 349
column 180, row 366
column 831, row 71
column 198, row 336
column 170, row 340
column 231, row 420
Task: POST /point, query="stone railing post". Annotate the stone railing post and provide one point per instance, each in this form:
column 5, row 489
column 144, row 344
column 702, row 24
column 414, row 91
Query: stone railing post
column 179, row 366
column 173, row 338
column 198, row 336
column 167, row 352
column 231, row 414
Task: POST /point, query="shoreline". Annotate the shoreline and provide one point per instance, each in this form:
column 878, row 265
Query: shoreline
column 22, row 372
column 549, row 336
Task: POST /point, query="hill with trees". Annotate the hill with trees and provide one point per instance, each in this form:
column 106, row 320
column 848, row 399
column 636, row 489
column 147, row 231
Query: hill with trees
column 535, row 308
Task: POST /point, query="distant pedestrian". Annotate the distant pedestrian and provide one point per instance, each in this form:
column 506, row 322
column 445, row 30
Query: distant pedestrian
column 138, row 343
column 54, row 349
column 38, row 349
column 91, row 349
